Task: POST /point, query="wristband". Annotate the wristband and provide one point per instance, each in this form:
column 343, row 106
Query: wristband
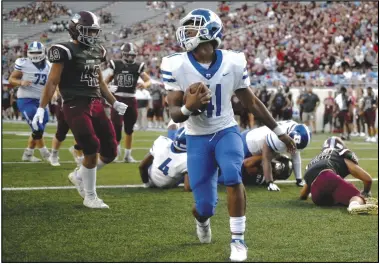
column 278, row 131
column 185, row 111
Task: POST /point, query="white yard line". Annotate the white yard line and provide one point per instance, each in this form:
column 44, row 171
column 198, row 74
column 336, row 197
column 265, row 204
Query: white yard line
column 118, row 186
column 69, row 161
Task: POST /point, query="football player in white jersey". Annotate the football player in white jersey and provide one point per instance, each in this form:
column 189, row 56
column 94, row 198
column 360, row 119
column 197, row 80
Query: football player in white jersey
column 213, row 138
column 263, row 142
column 165, row 166
column 30, row 75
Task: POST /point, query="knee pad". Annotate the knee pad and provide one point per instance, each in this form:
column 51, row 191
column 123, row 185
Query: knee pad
column 205, row 208
column 60, row 136
column 77, row 147
column 36, row 135
column 90, row 144
column 128, row 130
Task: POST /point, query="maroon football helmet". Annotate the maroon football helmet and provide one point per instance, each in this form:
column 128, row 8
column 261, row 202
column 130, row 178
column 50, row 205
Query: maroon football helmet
column 128, row 52
column 85, row 28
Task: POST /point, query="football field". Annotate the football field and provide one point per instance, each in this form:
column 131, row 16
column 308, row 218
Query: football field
column 151, row 225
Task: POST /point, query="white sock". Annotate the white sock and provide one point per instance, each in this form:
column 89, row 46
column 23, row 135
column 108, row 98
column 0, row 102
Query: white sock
column 100, row 164
column 54, row 152
column 29, row 151
column 127, row 153
column 89, row 181
column 353, row 204
column 44, row 151
column 118, row 150
column 237, row 227
column 205, row 223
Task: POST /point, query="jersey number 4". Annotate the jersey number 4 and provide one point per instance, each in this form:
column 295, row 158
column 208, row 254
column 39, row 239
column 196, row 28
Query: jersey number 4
column 90, row 75
column 218, row 100
column 41, row 77
column 164, row 166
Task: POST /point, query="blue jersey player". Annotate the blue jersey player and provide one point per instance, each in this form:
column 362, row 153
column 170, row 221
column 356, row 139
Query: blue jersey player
column 30, row 75
column 213, row 138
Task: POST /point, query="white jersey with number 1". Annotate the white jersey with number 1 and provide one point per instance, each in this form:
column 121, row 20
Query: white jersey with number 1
column 226, row 75
column 168, row 165
column 31, row 73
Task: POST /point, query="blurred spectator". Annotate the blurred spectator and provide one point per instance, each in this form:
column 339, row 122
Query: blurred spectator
column 328, row 113
column 142, row 97
column 310, row 102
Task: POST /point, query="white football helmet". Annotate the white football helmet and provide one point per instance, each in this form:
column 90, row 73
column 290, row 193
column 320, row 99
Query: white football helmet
column 205, row 23
column 36, row 51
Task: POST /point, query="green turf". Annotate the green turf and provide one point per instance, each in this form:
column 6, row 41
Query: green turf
column 156, row 225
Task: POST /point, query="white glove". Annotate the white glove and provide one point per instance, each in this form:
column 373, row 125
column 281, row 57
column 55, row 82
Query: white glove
column 120, row 107
column 273, row 187
column 38, row 118
column 112, row 88
column 148, row 184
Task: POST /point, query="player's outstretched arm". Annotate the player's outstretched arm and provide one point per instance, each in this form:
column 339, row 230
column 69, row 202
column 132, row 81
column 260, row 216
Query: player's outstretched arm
column 186, row 183
column 304, row 192
column 268, row 155
column 252, row 164
column 104, row 89
column 356, row 171
column 258, row 109
column 143, row 167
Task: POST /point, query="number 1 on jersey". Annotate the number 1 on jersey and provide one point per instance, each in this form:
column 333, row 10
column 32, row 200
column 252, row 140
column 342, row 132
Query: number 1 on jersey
column 218, row 99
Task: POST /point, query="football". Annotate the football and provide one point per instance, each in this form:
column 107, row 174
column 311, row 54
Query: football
column 192, row 90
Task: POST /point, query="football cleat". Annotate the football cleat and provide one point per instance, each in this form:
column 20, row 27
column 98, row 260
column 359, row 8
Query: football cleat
column 367, row 209
column 77, row 159
column 78, row 183
column 95, row 203
column 54, row 161
column 204, row 233
column 130, row 159
column 30, row 158
column 239, row 250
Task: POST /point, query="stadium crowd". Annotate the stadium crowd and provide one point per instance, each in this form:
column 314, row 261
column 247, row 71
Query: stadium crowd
column 37, row 12
column 287, row 44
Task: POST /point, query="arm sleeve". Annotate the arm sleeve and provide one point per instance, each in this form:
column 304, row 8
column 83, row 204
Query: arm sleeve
column 243, row 80
column 297, row 164
column 19, row 63
column 274, row 143
column 168, row 77
column 59, row 53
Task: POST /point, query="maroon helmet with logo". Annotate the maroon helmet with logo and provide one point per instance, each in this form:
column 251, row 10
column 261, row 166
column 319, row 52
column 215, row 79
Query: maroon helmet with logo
column 85, row 28
column 128, row 52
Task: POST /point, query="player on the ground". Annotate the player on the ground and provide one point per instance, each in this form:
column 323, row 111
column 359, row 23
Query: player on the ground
column 252, row 170
column 173, row 128
column 60, row 136
column 165, row 166
column 212, row 136
column 126, row 73
column 30, row 75
column 76, row 69
column 325, row 175
column 263, row 142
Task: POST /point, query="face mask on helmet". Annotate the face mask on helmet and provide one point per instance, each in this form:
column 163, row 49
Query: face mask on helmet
column 199, row 26
column 36, row 52
column 88, row 35
column 179, row 141
column 128, row 57
column 301, row 136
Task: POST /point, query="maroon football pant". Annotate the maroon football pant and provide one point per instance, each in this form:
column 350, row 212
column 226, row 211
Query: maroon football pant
column 92, row 129
column 370, row 117
column 330, row 189
column 129, row 118
column 62, row 127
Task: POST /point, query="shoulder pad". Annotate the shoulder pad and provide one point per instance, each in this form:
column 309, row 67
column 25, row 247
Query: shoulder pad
column 112, row 64
column 59, row 53
column 172, row 62
column 348, row 154
column 20, row 63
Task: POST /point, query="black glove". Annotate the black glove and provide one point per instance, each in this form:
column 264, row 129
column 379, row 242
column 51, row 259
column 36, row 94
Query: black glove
column 300, row 182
